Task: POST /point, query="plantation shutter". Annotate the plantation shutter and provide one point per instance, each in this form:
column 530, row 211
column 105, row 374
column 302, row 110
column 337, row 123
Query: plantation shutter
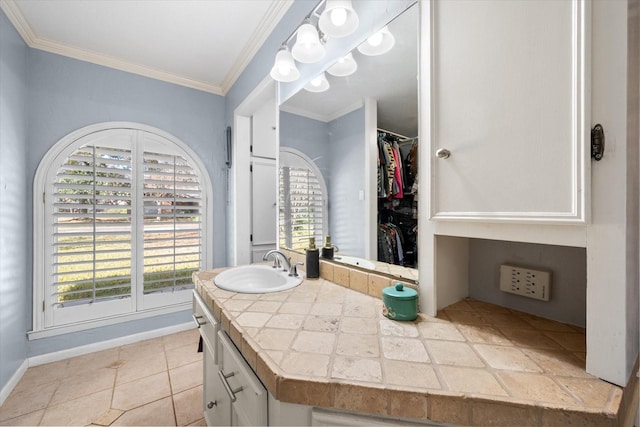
column 173, row 212
column 301, row 207
column 124, row 227
column 92, row 227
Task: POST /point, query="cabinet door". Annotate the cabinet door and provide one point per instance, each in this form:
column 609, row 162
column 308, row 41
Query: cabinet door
column 248, row 395
column 263, row 200
column 508, row 100
column 263, row 129
column 217, row 404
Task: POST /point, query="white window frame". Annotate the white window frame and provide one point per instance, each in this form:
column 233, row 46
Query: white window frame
column 296, row 158
column 42, row 227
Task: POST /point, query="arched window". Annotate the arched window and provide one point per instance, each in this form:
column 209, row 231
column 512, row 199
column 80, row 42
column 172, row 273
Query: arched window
column 121, row 222
column 303, row 200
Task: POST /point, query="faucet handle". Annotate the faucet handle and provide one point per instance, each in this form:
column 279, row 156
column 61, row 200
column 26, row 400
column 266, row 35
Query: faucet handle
column 293, row 272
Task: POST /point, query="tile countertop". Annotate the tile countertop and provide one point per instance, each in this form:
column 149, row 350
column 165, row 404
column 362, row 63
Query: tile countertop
column 325, row 345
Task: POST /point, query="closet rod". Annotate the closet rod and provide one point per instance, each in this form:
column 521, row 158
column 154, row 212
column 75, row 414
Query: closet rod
column 393, row 133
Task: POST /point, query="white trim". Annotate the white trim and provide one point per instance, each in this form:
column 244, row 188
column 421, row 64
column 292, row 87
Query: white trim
column 114, row 320
column 104, row 345
column 370, row 178
column 275, row 12
column 13, row 381
column 323, row 117
column 40, row 229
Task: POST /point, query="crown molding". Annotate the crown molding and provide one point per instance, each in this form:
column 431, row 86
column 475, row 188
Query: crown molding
column 273, row 16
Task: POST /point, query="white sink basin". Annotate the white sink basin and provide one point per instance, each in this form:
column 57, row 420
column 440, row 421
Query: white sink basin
column 354, row 260
column 256, row 279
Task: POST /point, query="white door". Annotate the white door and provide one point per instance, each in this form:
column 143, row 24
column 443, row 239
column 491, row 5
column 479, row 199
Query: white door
column 263, row 129
column 264, row 216
column 507, row 100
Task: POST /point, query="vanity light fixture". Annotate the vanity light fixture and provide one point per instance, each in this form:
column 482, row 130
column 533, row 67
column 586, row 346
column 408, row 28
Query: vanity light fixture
column 308, row 48
column 318, row 84
column 378, row 44
column 338, row 19
column 345, row 66
column 284, row 69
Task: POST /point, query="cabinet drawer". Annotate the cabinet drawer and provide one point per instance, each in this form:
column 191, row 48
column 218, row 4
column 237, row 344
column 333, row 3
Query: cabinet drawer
column 250, row 405
column 206, row 323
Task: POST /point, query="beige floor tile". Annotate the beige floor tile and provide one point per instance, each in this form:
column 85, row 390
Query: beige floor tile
column 321, row 323
column 358, row 345
column 536, row 387
column 182, row 355
column 108, row 417
column 306, row 364
column 37, row 398
column 92, row 361
column 356, row 369
column 140, row 392
column 188, row 406
column 440, row 331
column 285, row 321
column 507, row 320
column 465, row 317
column 42, row 374
column 30, row 419
column 81, row 385
column 411, row 350
column 158, row 413
column 200, row 422
column 410, row 374
column 181, row 339
column 453, row 353
column 141, row 349
column 508, row 358
column 134, row 368
column 471, row 380
column 314, row 342
column 186, row 376
column 78, row 412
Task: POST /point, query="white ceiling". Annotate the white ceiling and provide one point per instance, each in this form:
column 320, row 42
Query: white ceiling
column 203, row 44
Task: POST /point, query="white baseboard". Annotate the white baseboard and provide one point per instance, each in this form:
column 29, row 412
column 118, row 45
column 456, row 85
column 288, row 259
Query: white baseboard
column 13, row 381
column 104, row 345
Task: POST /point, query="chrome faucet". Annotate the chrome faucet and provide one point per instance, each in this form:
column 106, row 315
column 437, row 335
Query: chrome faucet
column 277, row 258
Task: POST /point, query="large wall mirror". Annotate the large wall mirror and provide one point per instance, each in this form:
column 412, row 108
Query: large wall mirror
column 351, row 135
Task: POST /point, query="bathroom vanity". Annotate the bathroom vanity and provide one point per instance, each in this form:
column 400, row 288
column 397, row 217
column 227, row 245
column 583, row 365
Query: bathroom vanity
column 323, row 354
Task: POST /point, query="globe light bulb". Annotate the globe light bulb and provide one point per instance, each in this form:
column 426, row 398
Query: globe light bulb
column 375, row 39
column 284, row 69
column 338, row 16
column 316, row 81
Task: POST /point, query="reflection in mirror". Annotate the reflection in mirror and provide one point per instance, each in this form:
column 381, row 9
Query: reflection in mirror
column 364, row 124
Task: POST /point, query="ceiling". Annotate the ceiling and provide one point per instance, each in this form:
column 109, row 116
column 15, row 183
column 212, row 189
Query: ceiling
column 203, row 44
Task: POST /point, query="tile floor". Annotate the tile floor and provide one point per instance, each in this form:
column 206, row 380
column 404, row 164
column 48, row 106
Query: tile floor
column 153, row 382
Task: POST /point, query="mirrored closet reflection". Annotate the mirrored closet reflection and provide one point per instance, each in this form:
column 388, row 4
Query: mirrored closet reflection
column 359, row 140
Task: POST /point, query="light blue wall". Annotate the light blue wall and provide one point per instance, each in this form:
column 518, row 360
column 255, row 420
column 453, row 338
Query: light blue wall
column 66, row 94
column 346, row 212
column 568, row 280
column 13, row 204
column 308, row 136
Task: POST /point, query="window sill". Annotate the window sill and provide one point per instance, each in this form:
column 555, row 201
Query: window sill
column 83, row 326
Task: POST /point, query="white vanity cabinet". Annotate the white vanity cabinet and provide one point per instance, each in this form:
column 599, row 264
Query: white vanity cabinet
column 232, row 394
